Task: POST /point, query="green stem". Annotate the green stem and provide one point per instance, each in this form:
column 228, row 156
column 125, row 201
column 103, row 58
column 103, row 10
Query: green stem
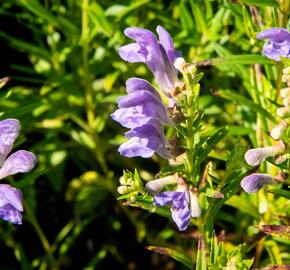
column 45, row 244
column 89, row 100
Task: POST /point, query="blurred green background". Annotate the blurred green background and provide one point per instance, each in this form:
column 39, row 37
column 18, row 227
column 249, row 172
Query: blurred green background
column 62, row 58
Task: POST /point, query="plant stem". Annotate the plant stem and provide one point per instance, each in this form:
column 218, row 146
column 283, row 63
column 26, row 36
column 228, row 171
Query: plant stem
column 45, row 244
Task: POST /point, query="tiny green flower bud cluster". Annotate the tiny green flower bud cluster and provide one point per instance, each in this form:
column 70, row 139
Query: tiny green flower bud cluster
column 126, row 185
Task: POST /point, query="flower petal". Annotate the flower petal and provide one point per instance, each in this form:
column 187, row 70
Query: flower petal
column 10, row 204
column 254, row 182
column 137, row 84
column 275, row 34
column 19, row 162
column 9, row 131
column 167, row 43
column 151, row 137
column 136, row 147
column 10, row 195
column 133, row 53
column 167, row 198
column 181, row 216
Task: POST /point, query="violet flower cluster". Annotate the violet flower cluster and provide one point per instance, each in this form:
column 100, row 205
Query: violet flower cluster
column 142, row 110
column 21, row 161
column 278, row 44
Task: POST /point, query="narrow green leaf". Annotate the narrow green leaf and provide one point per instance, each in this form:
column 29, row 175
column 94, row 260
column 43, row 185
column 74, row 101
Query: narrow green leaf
column 259, row 3
column 207, row 146
column 227, row 94
column 180, row 257
column 185, row 17
column 283, row 193
column 245, row 59
column 244, row 205
column 20, row 111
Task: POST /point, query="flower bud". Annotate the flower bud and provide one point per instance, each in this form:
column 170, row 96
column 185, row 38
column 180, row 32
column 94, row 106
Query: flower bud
column 122, row 190
column 194, row 204
column 286, row 101
column 255, row 156
column 180, row 64
column 278, row 131
column 254, row 182
column 283, row 112
column 286, row 71
column 285, row 78
column 155, row 186
column 285, row 92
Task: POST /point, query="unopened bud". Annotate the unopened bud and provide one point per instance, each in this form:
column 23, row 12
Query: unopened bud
column 194, row 203
column 286, row 71
column 122, row 180
column 286, row 101
column 278, row 131
column 283, row 112
column 285, row 92
column 122, row 190
column 180, row 64
column 285, row 78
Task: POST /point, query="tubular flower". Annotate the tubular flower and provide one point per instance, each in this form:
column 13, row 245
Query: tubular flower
column 278, row 44
column 183, row 204
column 256, row 181
column 142, row 110
column 255, row 156
column 158, row 55
column 18, row 162
column 142, row 104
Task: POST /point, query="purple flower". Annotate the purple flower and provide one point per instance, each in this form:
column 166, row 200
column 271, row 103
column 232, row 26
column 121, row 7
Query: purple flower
column 142, row 104
column 144, row 141
column 278, row 44
column 18, row 162
column 10, row 204
column 183, row 202
column 159, row 55
column 179, row 202
column 254, row 182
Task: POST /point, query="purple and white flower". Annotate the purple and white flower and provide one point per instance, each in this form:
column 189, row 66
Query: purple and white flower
column 278, row 44
column 255, row 156
column 183, row 202
column 19, row 162
column 256, row 181
column 158, row 55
